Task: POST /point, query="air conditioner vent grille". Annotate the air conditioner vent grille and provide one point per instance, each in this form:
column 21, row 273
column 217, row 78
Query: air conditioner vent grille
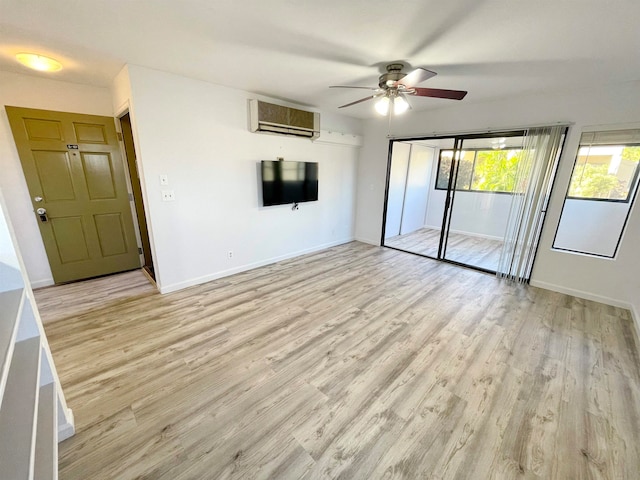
column 277, row 119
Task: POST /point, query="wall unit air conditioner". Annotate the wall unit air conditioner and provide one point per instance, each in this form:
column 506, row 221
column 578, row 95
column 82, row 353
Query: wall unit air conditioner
column 269, row 118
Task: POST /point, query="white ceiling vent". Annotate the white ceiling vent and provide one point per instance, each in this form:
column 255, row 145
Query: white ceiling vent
column 269, row 118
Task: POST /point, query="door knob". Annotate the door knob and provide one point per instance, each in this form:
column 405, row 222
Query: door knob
column 42, row 213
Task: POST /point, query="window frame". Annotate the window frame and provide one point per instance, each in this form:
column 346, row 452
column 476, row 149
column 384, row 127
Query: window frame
column 634, row 180
column 632, row 198
column 473, row 167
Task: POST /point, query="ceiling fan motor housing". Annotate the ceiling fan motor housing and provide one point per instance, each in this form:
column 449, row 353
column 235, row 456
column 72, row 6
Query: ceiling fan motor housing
column 394, row 73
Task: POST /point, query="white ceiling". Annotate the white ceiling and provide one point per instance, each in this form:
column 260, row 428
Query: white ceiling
column 295, row 49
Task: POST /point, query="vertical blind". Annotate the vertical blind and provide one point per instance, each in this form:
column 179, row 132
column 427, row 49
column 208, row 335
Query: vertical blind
column 529, row 202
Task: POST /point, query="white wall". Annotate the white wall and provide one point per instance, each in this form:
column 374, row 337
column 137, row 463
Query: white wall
column 416, row 196
column 613, row 281
column 409, row 182
column 481, row 214
column 8, row 254
column 197, row 134
column 591, row 226
column 397, row 185
column 35, row 92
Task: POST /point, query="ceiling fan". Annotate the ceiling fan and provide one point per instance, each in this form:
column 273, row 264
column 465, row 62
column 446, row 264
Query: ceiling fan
column 394, row 86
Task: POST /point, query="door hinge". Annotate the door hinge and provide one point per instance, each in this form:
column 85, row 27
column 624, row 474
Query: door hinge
column 130, row 197
column 119, row 134
column 139, row 250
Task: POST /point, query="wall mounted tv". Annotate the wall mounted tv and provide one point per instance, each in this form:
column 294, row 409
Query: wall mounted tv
column 289, row 182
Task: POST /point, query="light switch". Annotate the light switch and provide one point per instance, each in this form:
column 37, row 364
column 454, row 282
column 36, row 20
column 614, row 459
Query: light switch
column 168, row 196
column 164, row 179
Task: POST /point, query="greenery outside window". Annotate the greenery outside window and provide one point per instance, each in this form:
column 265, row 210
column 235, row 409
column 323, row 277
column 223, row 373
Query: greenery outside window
column 605, row 172
column 465, row 170
column 481, row 170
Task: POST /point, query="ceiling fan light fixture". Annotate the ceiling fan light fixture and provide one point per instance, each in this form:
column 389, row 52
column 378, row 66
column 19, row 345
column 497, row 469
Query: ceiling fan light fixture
column 382, row 105
column 39, row 62
column 400, row 105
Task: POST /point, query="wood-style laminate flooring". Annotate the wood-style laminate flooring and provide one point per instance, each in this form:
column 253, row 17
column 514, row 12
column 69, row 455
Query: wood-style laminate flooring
column 468, row 249
column 356, row 362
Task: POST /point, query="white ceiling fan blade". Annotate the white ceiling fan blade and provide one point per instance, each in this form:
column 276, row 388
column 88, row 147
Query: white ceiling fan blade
column 415, row 77
column 359, row 101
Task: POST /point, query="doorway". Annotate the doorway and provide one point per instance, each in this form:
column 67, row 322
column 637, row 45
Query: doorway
column 136, row 188
column 449, row 198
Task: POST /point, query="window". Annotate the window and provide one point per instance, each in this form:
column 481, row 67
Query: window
column 605, row 172
column 464, row 171
column 481, row 170
column 603, row 186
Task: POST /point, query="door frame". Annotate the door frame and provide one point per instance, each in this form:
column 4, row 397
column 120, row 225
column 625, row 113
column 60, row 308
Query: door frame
column 150, row 270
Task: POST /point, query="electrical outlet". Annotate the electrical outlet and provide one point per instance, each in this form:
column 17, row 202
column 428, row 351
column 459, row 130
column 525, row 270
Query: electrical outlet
column 230, row 254
column 164, row 179
column 168, row 196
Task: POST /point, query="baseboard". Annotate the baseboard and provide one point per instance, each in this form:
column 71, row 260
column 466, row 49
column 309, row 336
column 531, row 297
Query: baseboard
column 478, row 235
column 66, row 430
column 47, row 282
column 243, row 268
column 636, row 319
column 152, row 280
column 470, row 234
column 582, row 294
column 368, row 240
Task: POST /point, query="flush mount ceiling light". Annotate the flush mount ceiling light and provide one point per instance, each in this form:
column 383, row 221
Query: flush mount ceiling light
column 39, row 62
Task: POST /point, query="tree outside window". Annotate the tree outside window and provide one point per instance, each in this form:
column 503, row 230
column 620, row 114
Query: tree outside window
column 465, row 169
column 605, row 172
column 481, row 170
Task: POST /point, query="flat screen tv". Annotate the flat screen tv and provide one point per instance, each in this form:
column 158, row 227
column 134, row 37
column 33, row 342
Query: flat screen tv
column 289, row 182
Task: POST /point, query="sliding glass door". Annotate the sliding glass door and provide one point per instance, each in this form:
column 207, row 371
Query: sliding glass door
column 453, row 198
column 411, row 223
column 482, row 197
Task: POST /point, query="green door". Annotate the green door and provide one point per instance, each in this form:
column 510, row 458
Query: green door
column 74, row 171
